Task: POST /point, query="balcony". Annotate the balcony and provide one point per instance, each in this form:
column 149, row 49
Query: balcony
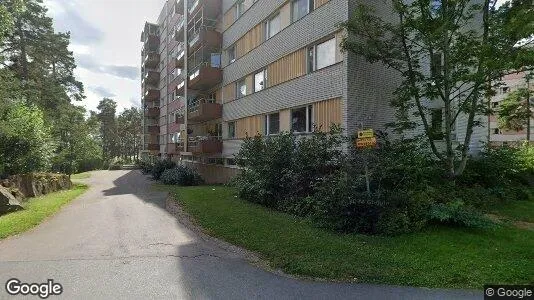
column 178, row 33
column 153, row 129
column 180, row 88
column 204, row 36
column 151, row 77
column 151, row 43
column 179, row 60
column 152, row 112
column 201, row 110
column 151, row 94
column 204, row 77
column 152, row 147
column 205, row 8
column 179, row 7
column 205, row 145
column 151, row 60
column 174, row 149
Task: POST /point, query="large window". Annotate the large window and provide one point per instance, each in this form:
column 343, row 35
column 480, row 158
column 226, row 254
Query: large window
column 231, row 130
column 301, row 119
column 300, row 8
column 322, row 55
column 437, row 124
column 241, row 88
column 260, row 80
column 272, row 124
column 272, row 26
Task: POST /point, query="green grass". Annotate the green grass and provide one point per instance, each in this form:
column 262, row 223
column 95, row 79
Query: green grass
column 437, row 257
column 519, row 210
column 78, row 176
column 36, row 210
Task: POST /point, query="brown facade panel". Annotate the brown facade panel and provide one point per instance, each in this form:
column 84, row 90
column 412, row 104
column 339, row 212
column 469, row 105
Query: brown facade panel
column 287, row 68
column 229, row 18
column 229, row 92
column 326, row 113
column 249, row 126
column 319, row 3
column 249, row 41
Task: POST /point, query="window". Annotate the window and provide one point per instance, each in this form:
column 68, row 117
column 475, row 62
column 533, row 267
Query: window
column 272, row 26
column 230, row 162
column 260, row 80
column 505, row 89
column 231, row 130
column 436, row 65
column 300, row 8
column 231, row 54
column 301, row 119
column 241, row 88
column 322, row 55
column 496, row 131
column 215, row 60
column 239, row 8
column 495, row 104
column 272, row 124
column 437, row 124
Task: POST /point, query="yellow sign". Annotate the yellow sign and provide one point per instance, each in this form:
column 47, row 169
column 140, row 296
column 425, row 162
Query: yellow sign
column 366, row 143
column 363, row 134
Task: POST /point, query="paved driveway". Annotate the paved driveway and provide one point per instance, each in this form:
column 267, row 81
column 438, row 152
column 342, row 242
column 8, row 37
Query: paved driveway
column 118, row 242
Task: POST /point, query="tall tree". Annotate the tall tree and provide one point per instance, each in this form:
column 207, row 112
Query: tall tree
column 448, row 53
column 107, row 109
column 515, row 111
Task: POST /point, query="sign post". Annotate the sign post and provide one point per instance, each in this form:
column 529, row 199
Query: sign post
column 366, row 140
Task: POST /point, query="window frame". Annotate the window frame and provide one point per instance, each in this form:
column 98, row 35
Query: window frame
column 267, row 25
column 310, row 4
column 267, row 127
column 264, row 72
column 231, row 133
column 231, row 54
column 311, row 56
column 238, row 94
column 239, row 10
column 309, row 113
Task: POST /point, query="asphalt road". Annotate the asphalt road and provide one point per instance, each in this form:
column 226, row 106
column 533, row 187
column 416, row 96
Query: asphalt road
column 118, row 242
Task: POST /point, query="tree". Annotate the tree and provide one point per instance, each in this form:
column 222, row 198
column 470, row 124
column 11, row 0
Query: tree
column 108, row 128
column 26, row 141
column 447, row 53
column 129, row 125
column 515, row 110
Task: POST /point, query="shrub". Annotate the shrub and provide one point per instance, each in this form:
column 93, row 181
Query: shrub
column 115, row 166
column 145, row 166
column 160, row 166
column 457, row 213
column 181, row 175
column 280, row 171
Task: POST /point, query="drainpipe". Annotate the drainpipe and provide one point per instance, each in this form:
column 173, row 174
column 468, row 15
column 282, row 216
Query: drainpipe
column 186, row 71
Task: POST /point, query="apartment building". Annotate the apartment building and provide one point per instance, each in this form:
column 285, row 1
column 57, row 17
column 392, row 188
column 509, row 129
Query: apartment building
column 253, row 66
column 497, row 135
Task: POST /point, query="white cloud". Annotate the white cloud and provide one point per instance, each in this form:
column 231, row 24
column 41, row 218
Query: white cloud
column 105, row 41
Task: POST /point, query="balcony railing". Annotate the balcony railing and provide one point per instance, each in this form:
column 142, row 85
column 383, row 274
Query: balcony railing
column 178, row 31
column 151, row 60
column 151, row 94
column 151, row 77
column 152, row 129
column 152, row 112
column 205, row 145
column 152, row 147
column 202, row 109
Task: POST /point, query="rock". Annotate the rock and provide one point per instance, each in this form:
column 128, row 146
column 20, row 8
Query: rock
column 37, row 184
column 8, row 202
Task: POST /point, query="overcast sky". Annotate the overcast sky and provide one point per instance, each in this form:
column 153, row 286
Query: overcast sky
column 105, row 38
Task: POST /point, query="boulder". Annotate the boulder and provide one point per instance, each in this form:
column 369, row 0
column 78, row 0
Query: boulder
column 8, row 202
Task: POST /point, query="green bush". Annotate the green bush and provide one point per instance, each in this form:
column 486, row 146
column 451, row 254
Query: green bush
column 181, row 175
column 457, row 213
column 145, row 166
column 160, row 166
column 280, row 171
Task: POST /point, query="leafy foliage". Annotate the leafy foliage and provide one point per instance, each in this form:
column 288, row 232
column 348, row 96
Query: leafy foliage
column 515, row 110
column 181, row 175
column 160, row 166
column 447, row 55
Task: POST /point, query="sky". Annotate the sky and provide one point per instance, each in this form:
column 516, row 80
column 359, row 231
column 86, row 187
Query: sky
column 105, row 39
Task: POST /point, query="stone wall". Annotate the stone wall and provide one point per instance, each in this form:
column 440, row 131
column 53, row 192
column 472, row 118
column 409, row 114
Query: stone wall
column 37, row 184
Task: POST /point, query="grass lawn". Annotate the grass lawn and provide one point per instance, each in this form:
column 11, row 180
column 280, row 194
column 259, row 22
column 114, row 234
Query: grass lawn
column 517, row 210
column 84, row 175
column 437, row 257
column 36, row 210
